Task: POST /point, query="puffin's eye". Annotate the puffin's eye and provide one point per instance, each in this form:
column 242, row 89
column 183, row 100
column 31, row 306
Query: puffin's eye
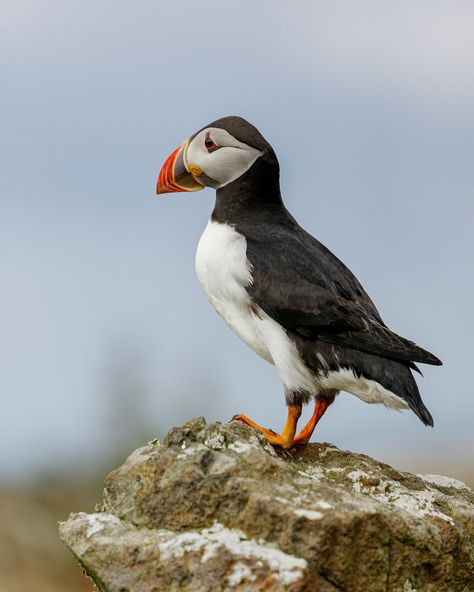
column 209, row 143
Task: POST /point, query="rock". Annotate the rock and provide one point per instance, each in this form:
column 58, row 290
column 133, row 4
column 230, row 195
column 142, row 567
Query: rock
column 216, row 508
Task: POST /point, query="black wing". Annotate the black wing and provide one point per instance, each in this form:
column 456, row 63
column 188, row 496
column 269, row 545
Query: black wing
column 304, row 287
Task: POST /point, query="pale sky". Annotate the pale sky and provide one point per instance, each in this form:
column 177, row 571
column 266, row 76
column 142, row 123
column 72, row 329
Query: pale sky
column 369, row 107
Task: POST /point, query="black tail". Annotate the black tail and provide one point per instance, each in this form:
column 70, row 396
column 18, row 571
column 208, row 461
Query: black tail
column 417, row 406
column 398, row 378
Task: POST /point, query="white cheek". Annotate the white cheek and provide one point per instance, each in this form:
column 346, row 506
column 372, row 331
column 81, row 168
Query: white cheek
column 227, row 163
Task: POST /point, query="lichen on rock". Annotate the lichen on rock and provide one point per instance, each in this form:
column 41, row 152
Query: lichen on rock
column 216, row 508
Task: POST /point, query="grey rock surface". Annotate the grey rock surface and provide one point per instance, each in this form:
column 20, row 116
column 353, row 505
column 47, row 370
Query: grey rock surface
column 216, row 508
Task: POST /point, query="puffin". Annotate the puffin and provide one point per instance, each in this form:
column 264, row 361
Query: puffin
column 282, row 291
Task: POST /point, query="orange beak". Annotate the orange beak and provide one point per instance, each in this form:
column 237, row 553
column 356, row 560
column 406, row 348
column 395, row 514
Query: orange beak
column 175, row 176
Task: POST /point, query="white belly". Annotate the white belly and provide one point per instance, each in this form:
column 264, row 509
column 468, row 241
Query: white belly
column 224, row 271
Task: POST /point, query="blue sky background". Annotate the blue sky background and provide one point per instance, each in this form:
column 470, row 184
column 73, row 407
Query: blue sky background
column 105, row 331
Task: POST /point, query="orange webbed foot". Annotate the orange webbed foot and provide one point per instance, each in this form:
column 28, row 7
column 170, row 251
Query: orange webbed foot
column 285, row 440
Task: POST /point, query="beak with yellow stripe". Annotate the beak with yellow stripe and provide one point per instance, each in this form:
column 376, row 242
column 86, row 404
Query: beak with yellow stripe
column 177, row 175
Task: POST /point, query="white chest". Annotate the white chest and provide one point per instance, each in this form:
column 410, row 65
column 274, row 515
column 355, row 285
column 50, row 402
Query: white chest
column 224, row 271
column 222, row 266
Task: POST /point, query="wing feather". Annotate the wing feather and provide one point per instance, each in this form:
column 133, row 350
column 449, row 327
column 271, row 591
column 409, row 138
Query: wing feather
column 318, row 297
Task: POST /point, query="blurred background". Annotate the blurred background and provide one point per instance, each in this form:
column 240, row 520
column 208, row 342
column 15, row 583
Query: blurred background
column 107, row 339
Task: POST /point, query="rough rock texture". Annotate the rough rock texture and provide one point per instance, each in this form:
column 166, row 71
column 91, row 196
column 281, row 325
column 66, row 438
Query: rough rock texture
column 216, row 508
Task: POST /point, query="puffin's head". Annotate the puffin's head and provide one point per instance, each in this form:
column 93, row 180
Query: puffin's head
column 214, row 156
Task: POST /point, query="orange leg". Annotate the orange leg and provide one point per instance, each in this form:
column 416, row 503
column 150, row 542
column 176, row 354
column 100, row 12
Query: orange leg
column 289, row 430
column 320, row 407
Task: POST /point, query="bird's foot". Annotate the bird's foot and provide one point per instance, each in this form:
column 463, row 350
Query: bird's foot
column 273, row 437
column 285, row 440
